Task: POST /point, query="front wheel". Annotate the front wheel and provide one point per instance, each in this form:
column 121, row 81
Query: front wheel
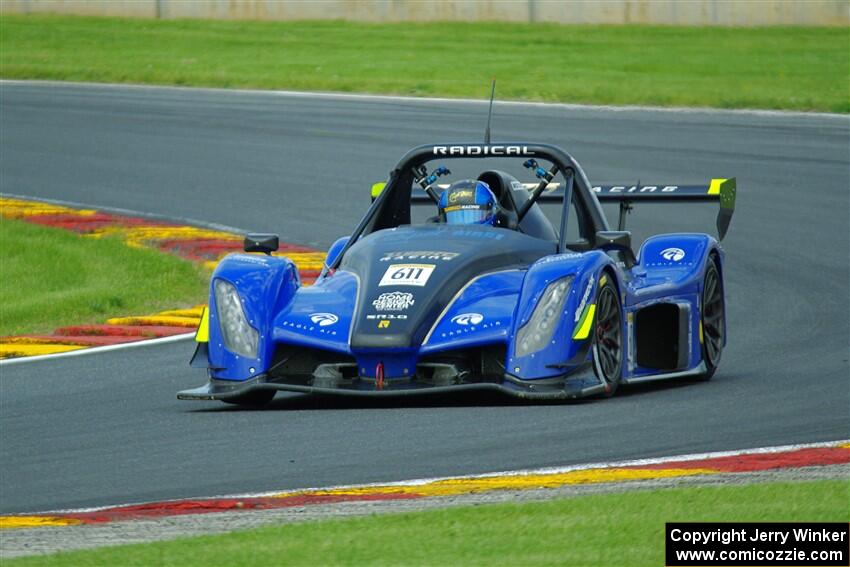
column 712, row 320
column 608, row 337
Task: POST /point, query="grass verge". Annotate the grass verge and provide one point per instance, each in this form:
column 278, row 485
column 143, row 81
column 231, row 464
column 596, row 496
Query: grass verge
column 51, row 277
column 603, row 529
column 777, row 67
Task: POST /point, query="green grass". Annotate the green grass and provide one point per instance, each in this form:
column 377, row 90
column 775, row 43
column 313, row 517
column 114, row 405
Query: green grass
column 605, row 529
column 50, row 278
column 778, row 67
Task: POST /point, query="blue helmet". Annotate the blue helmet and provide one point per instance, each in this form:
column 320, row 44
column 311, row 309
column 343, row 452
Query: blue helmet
column 468, row 202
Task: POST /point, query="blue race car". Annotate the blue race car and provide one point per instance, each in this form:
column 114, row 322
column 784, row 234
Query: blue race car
column 489, row 294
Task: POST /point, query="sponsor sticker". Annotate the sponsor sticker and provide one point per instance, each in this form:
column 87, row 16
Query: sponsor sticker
column 312, row 328
column 673, row 254
column 462, row 329
column 384, row 324
column 393, row 301
column 481, row 151
column 584, row 298
column 468, row 319
column 324, row 319
column 246, row 259
column 419, row 255
column 636, row 189
column 372, row 317
column 407, row 274
column 490, row 234
column 453, row 197
column 558, row 258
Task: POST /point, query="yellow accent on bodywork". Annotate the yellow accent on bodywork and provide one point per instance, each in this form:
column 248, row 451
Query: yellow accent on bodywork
column 700, row 333
column 602, row 280
column 583, row 328
column 202, row 335
column 714, row 188
column 377, row 188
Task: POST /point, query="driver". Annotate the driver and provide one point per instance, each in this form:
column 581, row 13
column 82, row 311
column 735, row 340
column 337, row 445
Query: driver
column 468, row 202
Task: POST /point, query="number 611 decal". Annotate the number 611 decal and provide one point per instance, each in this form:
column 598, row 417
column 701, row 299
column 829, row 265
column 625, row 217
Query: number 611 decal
column 407, row 274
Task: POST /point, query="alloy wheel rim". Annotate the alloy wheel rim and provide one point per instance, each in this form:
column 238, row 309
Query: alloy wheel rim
column 608, row 340
column 712, row 317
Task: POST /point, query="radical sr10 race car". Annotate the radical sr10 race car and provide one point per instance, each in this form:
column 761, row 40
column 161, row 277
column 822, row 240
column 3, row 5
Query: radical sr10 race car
column 530, row 307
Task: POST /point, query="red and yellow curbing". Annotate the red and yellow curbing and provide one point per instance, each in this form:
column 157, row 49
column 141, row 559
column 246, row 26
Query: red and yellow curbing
column 202, row 245
column 759, row 460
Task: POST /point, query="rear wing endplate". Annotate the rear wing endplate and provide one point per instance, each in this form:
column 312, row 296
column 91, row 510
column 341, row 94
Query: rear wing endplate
column 721, row 190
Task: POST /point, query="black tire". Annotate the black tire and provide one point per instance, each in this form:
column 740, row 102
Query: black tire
column 608, row 344
column 256, row 398
column 712, row 319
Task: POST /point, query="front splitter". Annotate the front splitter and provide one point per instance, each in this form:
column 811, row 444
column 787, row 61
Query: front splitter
column 549, row 389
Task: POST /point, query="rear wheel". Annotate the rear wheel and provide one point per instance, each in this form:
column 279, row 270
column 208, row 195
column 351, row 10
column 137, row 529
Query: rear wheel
column 713, row 320
column 608, row 337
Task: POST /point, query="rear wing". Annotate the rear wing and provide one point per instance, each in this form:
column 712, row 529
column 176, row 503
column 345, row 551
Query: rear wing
column 721, row 190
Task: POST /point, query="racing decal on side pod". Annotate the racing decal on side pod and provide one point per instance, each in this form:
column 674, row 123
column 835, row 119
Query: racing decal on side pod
column 202, row 335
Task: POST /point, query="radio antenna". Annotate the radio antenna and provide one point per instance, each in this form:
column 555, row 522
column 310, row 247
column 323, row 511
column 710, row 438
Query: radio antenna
column 490, row 113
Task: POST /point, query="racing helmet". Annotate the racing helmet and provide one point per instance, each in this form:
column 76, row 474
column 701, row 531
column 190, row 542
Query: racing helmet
column 468, row 202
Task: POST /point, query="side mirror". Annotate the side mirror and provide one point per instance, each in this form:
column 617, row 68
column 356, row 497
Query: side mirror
column 265, row 243
column 619, row 241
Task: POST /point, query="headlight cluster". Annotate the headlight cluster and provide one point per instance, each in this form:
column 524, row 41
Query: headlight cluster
column 239, row 336
column 535, row 334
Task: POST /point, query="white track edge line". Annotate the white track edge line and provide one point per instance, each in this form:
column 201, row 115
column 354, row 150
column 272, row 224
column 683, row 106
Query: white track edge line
column 127, row 212
column 98, row 349
column 521, row 472
column 439, row 100
column 106, row 348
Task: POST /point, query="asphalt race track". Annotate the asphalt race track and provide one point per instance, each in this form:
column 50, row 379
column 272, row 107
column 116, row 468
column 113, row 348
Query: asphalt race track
column 106, row 428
